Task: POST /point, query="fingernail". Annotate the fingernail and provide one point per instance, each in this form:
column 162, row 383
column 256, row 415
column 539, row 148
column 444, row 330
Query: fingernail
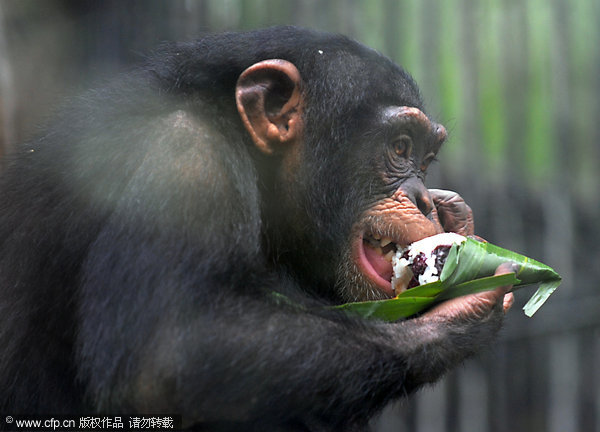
column 514, row 267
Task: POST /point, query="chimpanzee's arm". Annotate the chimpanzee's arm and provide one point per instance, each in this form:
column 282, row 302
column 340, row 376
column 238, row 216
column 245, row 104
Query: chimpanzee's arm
column 224, row 355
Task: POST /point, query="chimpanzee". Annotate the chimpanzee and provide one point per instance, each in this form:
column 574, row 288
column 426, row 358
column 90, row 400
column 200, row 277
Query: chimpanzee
column 174, row 241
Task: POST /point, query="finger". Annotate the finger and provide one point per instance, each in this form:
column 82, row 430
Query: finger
column 478, row 238
column 480, row 304
column 505, row 268
column 446, row 198
column 509, row 299
column 502, row 293
column 453, row 212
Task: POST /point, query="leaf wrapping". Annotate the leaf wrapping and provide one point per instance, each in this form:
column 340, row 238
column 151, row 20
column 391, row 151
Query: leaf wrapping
column 469, row 269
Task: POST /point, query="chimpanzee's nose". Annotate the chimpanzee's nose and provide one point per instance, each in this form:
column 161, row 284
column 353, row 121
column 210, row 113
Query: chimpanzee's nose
column 416, row 191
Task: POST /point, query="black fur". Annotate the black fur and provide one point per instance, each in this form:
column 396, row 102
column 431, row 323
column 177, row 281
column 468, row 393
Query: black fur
column 142, row 236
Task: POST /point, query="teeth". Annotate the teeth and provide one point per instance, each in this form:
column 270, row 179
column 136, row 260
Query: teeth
column 389, row 255
column 374, row 243
column 379, row 251
column 378, row 243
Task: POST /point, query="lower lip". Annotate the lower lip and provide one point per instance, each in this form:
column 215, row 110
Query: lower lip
column 365, row 266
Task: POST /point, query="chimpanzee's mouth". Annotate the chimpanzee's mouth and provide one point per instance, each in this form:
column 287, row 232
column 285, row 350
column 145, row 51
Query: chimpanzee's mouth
column 374, row 257
column 394, row 272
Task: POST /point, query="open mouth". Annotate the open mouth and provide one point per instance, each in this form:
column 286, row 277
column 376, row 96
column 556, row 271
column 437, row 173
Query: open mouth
column 374, row 257
column 394, row 268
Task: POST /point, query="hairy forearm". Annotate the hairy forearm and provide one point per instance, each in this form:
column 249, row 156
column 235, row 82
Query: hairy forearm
column 293, row 363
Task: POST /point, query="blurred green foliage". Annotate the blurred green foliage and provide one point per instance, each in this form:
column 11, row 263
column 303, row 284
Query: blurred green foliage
column 516, row 82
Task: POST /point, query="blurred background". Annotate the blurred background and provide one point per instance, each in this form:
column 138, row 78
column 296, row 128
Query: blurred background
column 517, row 84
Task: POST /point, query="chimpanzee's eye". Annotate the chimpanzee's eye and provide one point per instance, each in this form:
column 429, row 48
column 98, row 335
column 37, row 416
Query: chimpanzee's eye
column 403, row 146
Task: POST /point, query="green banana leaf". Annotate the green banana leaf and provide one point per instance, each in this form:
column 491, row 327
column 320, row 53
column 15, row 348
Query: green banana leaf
column 469, row 269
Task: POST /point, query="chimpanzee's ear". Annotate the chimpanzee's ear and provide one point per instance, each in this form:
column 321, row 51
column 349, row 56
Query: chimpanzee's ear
column 269, row 100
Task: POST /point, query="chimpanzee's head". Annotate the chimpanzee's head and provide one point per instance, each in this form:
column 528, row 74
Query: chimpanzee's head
column 349, row 145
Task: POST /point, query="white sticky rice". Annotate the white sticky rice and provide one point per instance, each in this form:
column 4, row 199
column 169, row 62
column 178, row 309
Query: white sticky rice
column 401, row 265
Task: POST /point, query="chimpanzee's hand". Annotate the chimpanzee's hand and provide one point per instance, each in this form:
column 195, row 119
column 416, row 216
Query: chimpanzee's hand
column 453, row 212
column 456, row 216
column 488, row 305
column 453, row 331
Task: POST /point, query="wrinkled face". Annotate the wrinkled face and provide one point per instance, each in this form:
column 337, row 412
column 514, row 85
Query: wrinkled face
column 343, row 188
column 398, row 208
